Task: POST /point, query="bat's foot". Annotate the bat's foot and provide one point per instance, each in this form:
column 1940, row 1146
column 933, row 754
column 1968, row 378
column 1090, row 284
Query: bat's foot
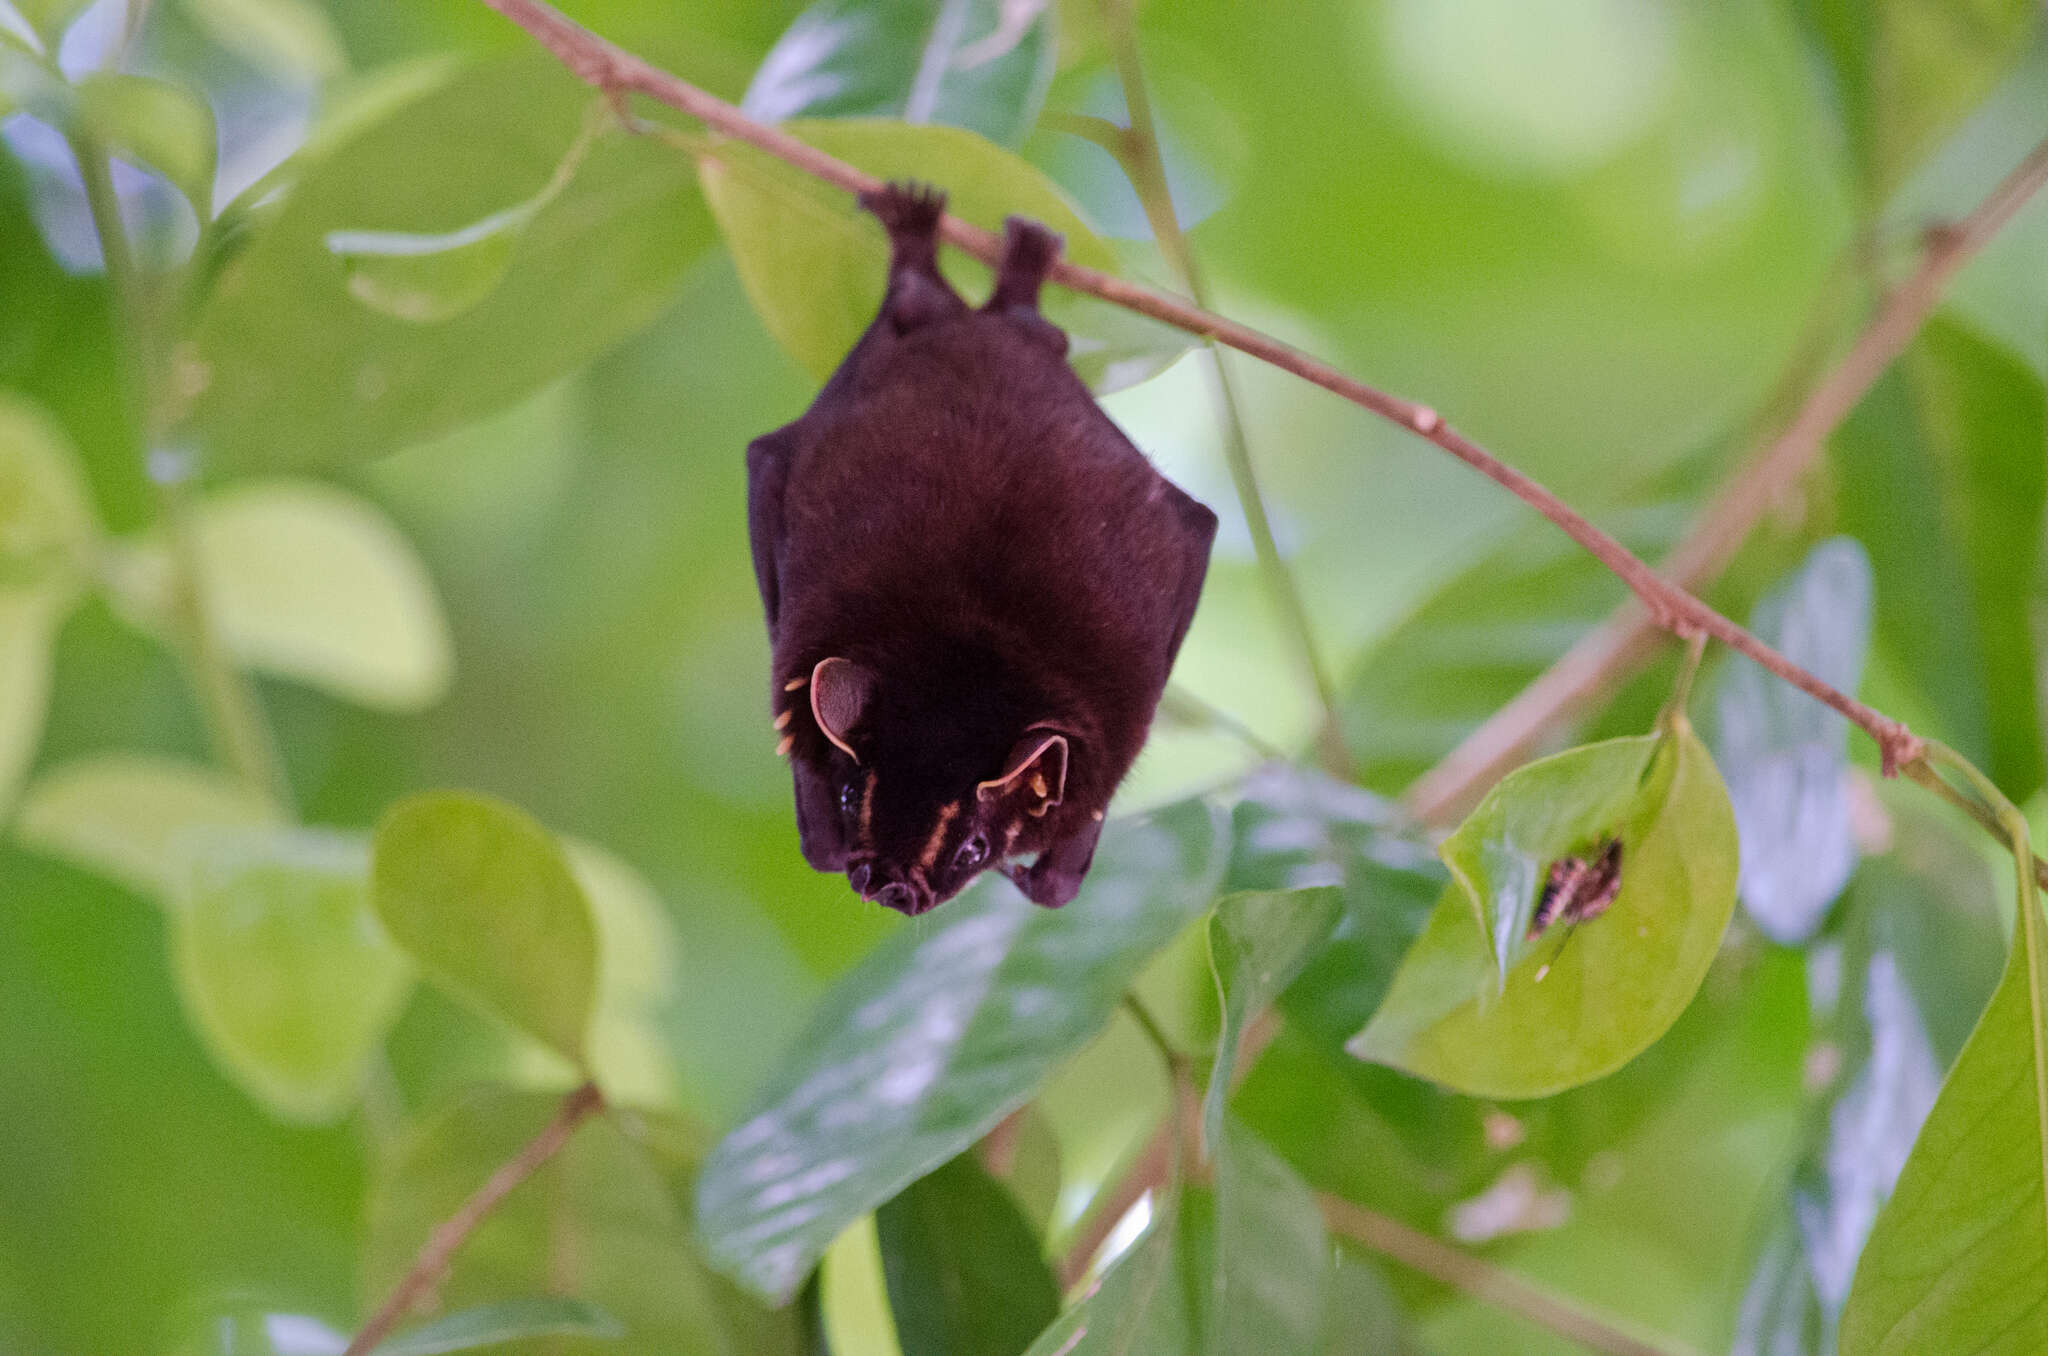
column 1029, row 250
column 918, row 293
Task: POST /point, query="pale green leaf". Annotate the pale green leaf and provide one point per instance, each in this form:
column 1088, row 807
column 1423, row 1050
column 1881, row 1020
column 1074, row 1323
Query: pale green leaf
column 1269, row 1261
column 1956, row 1259
column 47, row 524
column 426, row 279
column 307, row 581
column 506, row 1321
column 1582, row 999
column 125, row 815
column 853, row 1297
column 1138, row 1307
column 1258, row 943
column 483, row 898
column 49, row 18
column 982, row 64
column 814, row 263
column 639, row 963
column 293, row 39
column 282, row 966
column 29, row 618
column 159, row 125
column 940, row 1033
column 966, row 1274
column 299, row 372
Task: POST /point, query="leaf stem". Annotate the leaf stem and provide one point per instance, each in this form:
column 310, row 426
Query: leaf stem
column 1478, row 1278
column 228, row 703
column 427, row 1268
column 1137, row 149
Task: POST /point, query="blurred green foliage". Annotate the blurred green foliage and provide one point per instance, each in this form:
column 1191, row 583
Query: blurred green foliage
column 371, row 413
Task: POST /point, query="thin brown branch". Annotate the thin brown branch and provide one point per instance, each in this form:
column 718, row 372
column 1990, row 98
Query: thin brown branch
column 1628, row 638
column 427, row 1268
column 617, row 73
column 1478, row 1278
column 1149, row 1170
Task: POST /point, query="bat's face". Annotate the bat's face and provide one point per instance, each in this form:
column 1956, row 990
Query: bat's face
column 911, row 818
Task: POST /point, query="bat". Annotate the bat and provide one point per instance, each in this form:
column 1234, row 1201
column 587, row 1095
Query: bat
column 974, row 584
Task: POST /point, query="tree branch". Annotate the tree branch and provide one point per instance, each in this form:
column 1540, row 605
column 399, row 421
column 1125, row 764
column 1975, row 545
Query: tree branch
column 1628, row 637
column 1478, row 1278
column 617, row 73
column 427, row 1269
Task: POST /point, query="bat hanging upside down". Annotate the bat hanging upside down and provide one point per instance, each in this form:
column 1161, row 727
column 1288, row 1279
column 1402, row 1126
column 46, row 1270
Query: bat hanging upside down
column 975, row 586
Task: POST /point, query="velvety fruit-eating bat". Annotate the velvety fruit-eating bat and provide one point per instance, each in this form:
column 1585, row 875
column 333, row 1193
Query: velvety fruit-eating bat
column 975, row 586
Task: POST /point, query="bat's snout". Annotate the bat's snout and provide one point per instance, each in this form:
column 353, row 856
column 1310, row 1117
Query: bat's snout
column 910, row 896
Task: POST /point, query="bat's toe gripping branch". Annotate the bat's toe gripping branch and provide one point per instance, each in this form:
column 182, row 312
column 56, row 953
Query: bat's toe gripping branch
column 1029, row 250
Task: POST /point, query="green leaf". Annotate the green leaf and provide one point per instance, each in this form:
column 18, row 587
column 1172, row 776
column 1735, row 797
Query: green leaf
column 1955, row 1259
column 1269, row 1261
column 1784, row 755
column 983, row 64
column 300, row 373
column 966, row 1275
column 310, row 582
column 427, row 279
column 505, row 1321
column 853, row 1295
column 29, row 618
column 1242, row 1267
column 282, row 966
column 598, row 1211
column 1479, row 1009
column 936, row 1036
column 126, row 816
column 639, row 964
column 1910, row 70
column 1258, row 943
column 293, row 39
column 814, row 263
column 1138, row 1307
column 159, row 125
column 47, row 527
column 483, row 898
column 49, row 18
column 1943, row 479
column 1296, row 830
column 1480, row 638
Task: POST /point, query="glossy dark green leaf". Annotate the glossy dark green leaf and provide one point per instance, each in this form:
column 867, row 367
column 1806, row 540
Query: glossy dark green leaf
column 483, row 898
column 300, row 372
column 489, row 1325
column 1242, row 1266
column 814, row 264
column 966, row 1275
column 1258, row 943
column 283, row 968
column 597, row 1220
column 982, row 64
column 1296, row 830
column 1580, row 1000
column 162, row 126
column 1955, row 1260
column 1943, row 480
column 1784, row 755
column 940, row 1033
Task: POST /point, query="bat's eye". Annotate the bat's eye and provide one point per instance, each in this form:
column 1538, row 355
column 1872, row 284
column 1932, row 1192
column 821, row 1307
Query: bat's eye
column 972, row 853
column 849, row 800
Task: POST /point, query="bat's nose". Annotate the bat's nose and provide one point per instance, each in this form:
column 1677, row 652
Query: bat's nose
column 904, row 897
column 858, row 877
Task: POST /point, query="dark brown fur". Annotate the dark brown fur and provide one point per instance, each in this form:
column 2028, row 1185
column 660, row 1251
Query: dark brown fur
column 1005, row 575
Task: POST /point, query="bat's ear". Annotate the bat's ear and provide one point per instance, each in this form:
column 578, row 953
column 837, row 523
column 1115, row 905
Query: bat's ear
column 1035, row 771
column 840, row 690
